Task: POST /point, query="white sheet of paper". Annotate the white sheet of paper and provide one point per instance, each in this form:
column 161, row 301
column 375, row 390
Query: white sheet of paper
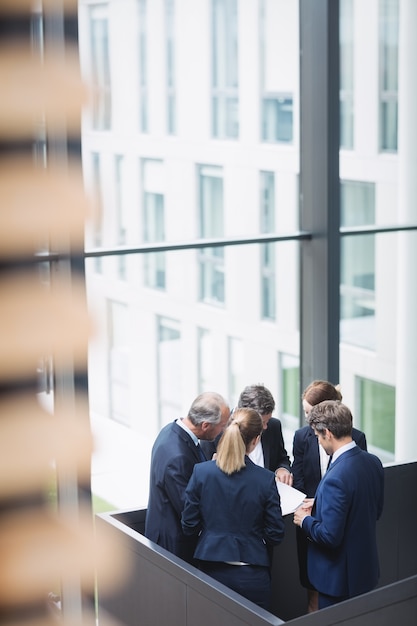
column 291, row 498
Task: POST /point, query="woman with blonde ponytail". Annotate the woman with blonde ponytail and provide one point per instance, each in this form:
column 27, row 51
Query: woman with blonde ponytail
column 234, row 507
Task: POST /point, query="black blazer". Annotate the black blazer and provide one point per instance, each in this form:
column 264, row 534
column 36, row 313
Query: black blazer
column 306, row 463
column 275, row 454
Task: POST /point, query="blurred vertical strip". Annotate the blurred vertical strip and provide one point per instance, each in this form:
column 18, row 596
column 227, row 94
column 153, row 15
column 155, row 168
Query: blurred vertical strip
column 42, row 591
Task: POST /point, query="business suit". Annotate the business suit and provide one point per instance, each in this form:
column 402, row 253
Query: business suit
column 272, row 441
column 307, row 476
column 174, row 455
column 342, row 551
column 235, row 517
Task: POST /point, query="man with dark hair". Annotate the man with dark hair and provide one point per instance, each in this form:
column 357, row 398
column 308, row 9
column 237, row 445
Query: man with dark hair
column 341, row 521
column 175, row 452
column 270, row 451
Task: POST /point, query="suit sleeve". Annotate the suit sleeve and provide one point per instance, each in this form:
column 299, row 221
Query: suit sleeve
column 330, row 529
column 190, row 518
column 177, row 475
column 283, row 460
column 298, row 450
column 274, row 524
column 381, row 487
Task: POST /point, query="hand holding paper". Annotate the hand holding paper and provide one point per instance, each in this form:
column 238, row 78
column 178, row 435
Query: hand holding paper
column 291, row 498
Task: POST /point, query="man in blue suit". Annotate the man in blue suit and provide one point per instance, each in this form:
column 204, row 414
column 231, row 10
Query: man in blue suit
column 341, row 523
column 309, row 466
column 175, row 452
column 306, row 464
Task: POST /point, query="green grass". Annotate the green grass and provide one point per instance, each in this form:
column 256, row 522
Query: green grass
column 102, row 506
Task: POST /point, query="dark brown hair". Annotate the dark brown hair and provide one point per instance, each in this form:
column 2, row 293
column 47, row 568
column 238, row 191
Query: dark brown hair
column 334, row 416
column 320, row 390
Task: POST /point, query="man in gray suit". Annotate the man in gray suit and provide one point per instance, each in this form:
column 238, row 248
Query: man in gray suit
column 175, row 452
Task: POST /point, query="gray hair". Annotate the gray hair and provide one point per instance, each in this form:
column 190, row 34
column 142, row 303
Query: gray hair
column 257, row 397
column 207, row 407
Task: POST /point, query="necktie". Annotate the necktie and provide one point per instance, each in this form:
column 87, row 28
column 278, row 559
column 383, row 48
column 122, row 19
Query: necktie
column 330, row 460
column 201, row 453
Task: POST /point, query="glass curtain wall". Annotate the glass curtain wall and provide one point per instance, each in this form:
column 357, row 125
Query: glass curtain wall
column 375, row 188
column 212, row 292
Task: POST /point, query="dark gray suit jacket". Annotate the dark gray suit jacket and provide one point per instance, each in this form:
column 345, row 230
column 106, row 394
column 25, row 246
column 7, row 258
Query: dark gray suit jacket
column 174, row 455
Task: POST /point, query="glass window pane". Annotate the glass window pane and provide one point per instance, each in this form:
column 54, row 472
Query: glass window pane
column 267, row 215
column 290, row 389
column 357, row 290
column 277, row 119
column 153, row 221
column 346, row 74
column 170, row 54
column 377, row 415
column 143, row 66
column 100, row 67
column 278, row 41
column 205, row 360
column 169, row 369
column 225, row 82
column 378, row 364
column 211, row 262
column 236, row 369
column 388, row 37
column 119, row 362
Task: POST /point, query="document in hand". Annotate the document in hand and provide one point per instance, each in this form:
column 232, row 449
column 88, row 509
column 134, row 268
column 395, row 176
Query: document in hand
column 291, row 498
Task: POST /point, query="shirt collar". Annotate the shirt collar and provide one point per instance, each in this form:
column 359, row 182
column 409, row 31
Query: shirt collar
column 342, row 449
column 187, row 430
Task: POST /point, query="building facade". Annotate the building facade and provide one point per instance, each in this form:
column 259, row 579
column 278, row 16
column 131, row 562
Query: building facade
column 193, row 135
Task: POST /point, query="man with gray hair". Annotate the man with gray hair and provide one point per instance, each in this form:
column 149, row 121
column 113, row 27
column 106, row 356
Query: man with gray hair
column 175, row 452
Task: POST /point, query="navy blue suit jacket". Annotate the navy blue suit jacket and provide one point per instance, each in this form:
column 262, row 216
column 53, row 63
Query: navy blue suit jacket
column 342, row 554
column 306, row 463
column 174, row 455
column 236, row 516
column 272, row 441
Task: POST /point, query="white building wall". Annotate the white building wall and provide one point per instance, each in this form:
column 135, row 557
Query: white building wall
column 241, row 162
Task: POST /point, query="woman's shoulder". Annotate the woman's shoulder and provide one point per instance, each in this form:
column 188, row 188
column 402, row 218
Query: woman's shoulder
column 303, row 432
column 205, row 467
column 262, row 472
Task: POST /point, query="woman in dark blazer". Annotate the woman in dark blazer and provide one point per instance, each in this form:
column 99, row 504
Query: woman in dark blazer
column 234, row 507
column 309, row 466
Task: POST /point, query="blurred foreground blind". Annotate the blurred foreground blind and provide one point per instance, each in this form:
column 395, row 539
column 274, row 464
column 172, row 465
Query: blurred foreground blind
column 48, row 545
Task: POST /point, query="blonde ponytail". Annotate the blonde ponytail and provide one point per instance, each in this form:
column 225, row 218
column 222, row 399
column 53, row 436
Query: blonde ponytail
column 245, row 425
